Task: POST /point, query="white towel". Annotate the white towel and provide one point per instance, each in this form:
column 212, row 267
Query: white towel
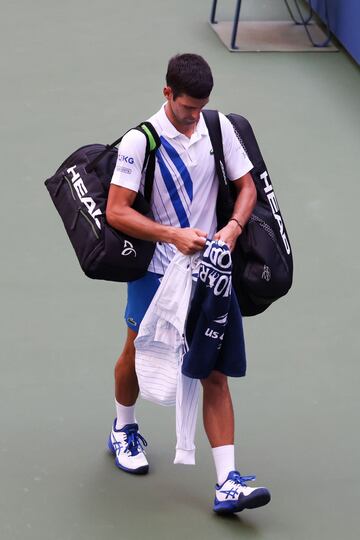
column 159, row 344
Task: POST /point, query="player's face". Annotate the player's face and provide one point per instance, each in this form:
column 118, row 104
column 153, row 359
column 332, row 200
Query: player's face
column 184, row 109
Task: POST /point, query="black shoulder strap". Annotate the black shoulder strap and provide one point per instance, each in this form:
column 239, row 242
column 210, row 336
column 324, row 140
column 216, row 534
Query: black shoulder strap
column 91, row 166
column 152, row 144
column 212, row 122
column 224, row 203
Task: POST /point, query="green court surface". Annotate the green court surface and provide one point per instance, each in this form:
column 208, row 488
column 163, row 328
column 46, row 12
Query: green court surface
column 80, row 72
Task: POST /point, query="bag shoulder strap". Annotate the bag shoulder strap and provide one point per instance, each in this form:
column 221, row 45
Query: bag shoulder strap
column 224, row 203
column 152, row 144
column 212, row 122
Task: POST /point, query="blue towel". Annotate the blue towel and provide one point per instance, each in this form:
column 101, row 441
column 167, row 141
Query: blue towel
column 214, row 337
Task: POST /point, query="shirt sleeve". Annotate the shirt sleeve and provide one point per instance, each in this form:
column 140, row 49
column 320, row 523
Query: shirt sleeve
column 236, row 160
column 130, row 160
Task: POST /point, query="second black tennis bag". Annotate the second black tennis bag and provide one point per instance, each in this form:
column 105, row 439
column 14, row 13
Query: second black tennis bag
column 262, row 258
column 79, row 190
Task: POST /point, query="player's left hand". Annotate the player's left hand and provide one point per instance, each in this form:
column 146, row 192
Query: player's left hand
column 229, row 234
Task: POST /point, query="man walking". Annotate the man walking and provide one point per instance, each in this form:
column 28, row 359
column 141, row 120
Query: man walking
column 184, row 209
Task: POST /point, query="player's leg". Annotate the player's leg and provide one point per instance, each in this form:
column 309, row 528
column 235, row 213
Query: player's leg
column 125, row 441
column 126, row 383
column 232, row 493
column 218, row 411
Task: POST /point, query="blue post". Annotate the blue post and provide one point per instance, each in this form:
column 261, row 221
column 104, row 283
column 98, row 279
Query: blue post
column 213, row 12
column 236, row 22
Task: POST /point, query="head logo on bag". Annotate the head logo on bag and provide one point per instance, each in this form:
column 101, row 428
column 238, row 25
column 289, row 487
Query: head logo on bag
column 81, row 191
column 262, row 258
column 274, row 205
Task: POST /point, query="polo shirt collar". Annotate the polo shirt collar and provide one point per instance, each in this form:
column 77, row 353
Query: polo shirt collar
column 170, row 130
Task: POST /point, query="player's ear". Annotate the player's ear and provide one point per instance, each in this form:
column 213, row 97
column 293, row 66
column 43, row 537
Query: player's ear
column 167, row 92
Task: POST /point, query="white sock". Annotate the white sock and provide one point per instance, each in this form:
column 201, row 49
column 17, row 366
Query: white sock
column 224, row 458
column 124, row 415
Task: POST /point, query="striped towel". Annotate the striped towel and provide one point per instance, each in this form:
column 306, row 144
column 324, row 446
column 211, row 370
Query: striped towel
column 159, row 344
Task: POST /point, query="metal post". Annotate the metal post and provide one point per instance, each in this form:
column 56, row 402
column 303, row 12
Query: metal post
column 236, row 22
column 213, row 12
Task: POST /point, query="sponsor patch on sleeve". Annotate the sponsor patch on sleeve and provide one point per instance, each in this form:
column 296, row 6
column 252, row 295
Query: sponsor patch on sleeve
column 124, row 170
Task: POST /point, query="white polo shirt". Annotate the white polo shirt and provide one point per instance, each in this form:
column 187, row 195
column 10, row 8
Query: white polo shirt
column 185, row 181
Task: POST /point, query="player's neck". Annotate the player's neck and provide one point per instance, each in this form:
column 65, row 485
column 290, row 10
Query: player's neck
column 186, row 130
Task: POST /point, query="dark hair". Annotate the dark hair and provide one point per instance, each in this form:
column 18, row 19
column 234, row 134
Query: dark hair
column 189, row 74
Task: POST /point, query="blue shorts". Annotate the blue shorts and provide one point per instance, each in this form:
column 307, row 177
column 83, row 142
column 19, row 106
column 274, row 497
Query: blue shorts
column 140, row 293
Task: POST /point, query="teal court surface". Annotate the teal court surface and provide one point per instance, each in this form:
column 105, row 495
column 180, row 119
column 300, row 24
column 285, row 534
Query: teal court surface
column 80, row 72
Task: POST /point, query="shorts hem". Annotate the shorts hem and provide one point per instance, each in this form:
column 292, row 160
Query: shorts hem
column 205, row 376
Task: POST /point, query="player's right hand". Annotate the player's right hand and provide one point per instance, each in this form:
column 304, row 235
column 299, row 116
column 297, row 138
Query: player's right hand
column 189, row 241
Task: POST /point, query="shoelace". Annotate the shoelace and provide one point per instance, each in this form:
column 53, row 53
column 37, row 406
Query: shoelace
column 238, row 479
column 235, row 483
column 135, row 442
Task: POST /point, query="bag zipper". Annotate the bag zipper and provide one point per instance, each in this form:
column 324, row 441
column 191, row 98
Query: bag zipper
column 70, row 186
column 271, row 234
column 84, row 214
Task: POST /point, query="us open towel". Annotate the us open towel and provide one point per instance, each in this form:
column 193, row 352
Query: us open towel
column 214, row 338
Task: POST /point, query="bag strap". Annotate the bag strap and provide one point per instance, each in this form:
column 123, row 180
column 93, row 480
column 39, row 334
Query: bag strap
column 224, row 203
column 212, row 122
column 152, row 144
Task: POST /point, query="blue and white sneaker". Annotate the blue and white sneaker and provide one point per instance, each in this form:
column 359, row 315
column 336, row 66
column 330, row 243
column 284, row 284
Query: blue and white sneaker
column 126, row 444
column 234, row 495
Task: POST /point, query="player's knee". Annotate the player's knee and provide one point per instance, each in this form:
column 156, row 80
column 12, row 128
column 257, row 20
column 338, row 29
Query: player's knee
column 127, row 357
column 215, row 382
column 126, row 360
column 128, row 352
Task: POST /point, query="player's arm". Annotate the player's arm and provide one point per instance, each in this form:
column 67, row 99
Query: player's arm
column 238, row 168
column 124, row 186
column 121, row 216
column 243, row 207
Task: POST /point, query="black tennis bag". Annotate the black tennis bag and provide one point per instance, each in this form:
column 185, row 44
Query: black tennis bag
column 262, row 258
column 79, row 190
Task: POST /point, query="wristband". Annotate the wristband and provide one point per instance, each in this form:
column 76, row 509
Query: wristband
column 237, row 221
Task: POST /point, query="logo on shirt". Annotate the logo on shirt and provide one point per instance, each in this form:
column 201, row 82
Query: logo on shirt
column 126, row 159
column 128, row 249
column 124, row 170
